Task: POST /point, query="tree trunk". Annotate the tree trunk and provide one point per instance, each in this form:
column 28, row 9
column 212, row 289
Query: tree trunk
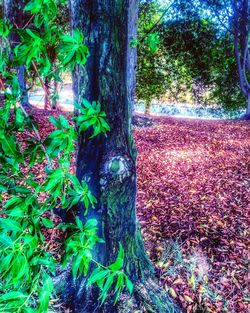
column 47, row 101
column 55, row 103
column 147, row 107
column 109, row 163
column 14, row 13
column 248, row 106
column 22, row 86
column 241, row 17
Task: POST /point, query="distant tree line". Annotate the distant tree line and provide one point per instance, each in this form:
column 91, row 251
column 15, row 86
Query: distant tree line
column 203, row 52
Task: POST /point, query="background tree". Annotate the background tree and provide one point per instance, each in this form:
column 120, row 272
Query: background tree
column 13, row 12
column 196, row 53
column 234, row 16
column 241, row 24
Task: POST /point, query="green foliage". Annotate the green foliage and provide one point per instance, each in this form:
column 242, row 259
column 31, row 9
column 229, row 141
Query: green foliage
column 32, row 48
column 153, row 42
column 105, row 277
column 44, row 10
column 46, row 47
column 26, row 265
column 79, row 192
column 72, row 50
column 195, row 58
column 79, row 245
column 4, row 29
column 91, row 116
column 62, row 139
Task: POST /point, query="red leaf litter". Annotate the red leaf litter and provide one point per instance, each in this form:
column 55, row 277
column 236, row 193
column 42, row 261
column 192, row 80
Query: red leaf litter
column 193, row 205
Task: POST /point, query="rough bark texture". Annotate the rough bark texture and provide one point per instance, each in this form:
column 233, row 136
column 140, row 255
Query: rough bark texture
column 55, row 103
column 22, row 85
column 14, row 13
column 109, row 163
column 248, row 104
column 241, row 15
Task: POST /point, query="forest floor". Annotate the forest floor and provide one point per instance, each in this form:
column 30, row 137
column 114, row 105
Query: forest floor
column 193, row 206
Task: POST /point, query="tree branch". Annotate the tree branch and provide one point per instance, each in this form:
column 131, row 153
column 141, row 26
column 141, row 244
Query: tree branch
column 31, row 18
column 47, row 92
column 244, row 67
column 157, row 23
column 238, row 62
column 37, row 136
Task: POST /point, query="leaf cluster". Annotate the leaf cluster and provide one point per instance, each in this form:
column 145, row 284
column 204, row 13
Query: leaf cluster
column 27, row 266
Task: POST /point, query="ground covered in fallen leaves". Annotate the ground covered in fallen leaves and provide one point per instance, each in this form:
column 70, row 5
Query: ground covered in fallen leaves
column 193, row 205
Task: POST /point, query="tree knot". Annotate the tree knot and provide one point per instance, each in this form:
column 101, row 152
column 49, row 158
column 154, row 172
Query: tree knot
column 116, row 168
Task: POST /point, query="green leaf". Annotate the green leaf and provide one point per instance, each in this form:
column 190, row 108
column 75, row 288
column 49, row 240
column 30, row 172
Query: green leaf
column 14, row 200
column 91, row 116
column 47, row 222
column 90, row 224
column 97, row 275
column 129, row 285
column 5, row 262
column 9, row 225
column 5, row 240
column 118, row 264
column 12, row 295
column 3, row 188
column 79, row 223
column 77, row 262
column 63, row 121
column 21, row 268
column 106, row 287
column 45, row 292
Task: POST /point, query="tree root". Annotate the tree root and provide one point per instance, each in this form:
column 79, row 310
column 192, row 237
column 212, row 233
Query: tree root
column 148, row 297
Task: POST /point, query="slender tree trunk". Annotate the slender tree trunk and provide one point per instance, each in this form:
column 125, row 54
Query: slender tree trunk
column 14, row 13
column 241, row 47
column 47, row 101
column 22, row 86
column 109, row 163
column 147, row 107
column 248, row 106
column 55, row 103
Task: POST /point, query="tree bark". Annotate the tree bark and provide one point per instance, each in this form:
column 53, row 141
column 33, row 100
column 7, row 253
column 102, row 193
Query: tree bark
column 55, row 103
column 14, row 13
column 109, row 163
column 241, row 47
column 47, row 101
column 248, row 107
column 22, row 85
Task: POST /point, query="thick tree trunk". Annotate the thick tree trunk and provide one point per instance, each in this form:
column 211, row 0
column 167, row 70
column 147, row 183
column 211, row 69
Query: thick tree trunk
column 14, row 13
column 109, row 163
